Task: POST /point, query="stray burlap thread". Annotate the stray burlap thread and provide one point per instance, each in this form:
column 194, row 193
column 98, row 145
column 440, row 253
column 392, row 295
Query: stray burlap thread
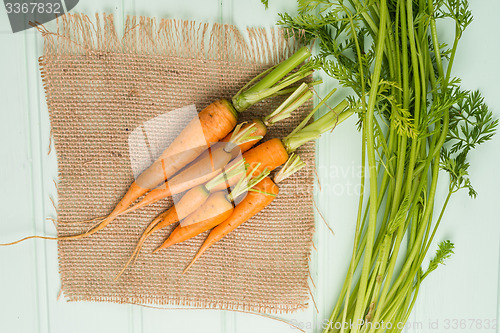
column 99, row 88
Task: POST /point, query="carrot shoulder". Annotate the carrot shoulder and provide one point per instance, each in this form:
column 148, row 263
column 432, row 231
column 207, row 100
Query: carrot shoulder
column 270, row 154
column 260, row 130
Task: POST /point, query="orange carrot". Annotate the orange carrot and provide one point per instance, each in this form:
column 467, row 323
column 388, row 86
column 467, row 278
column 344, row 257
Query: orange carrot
column 270, row 154
column 253, row 203
column 215, row 210
column 263, row 194
column 207, row 166
column 189, row 202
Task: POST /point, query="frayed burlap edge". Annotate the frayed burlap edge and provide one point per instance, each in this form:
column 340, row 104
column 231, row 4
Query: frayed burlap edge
column 77, row 34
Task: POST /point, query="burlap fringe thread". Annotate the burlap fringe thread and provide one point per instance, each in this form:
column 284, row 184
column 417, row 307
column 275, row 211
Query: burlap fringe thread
column 77, row 34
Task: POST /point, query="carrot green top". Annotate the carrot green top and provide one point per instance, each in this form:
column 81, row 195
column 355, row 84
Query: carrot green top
column 292, row 165
column 274, row 81
column 305, row 133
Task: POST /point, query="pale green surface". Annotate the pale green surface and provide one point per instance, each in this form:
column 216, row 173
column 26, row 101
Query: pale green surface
column 467, row 288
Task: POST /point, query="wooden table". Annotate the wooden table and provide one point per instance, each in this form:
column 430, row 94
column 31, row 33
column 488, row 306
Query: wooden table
column 465, row 289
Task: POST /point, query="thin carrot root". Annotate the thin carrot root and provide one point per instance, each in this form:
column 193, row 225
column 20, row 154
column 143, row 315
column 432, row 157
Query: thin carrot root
column 149, row 230
column 94, row 225
column 198, row 255
column 152, row 197
column 29, row 237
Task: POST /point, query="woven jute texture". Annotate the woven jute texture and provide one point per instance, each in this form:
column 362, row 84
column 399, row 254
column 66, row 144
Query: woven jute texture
column 100, row 87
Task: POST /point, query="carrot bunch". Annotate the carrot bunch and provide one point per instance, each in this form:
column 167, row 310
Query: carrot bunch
column 264, row 193
column 260, row 161
column 214, row 157
column 269, row 155
column 212, row 124
column 225, row 181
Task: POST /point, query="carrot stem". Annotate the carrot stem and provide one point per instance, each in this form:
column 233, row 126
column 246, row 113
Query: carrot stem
column 318, row 127
column 293, row 102
column 292, row 165
column 267, row 86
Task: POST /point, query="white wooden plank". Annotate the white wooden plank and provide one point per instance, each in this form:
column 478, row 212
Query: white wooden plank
column 252, row 13
column 182, row 320
column 84, row 317
column 19, row 274
column 337, row 201
column 467, row 287
column 40, row 130
column 452, row 292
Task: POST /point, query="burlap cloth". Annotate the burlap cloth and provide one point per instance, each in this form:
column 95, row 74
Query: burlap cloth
column 99, row 87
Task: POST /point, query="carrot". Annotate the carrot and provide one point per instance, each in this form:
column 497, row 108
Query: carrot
column 203, row 218
column 200, row 170
column 215, row 210
column 196, row 197
column 265, row 192
column 216, row 121
column 189, row 202
column 253, row 203
column 270, row 154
